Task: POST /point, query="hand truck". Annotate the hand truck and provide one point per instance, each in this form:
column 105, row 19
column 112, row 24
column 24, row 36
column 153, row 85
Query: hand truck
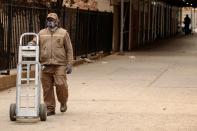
column 28, row 88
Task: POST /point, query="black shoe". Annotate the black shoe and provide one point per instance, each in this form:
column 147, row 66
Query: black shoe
column 63, row 107
column 49, row 113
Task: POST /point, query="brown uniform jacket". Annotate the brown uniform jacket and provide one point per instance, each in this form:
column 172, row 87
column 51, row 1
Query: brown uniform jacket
column 55, row 47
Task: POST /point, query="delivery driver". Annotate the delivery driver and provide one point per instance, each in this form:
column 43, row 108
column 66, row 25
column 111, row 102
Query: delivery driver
column 56, row 56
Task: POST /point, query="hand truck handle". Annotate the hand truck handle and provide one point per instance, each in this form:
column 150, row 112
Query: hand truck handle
column 29, row 34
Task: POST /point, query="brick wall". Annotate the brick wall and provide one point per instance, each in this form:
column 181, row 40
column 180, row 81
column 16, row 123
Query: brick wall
column 104, row 5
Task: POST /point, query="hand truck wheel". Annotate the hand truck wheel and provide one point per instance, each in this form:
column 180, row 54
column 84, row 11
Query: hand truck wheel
column 42, row 112
column 13, row 112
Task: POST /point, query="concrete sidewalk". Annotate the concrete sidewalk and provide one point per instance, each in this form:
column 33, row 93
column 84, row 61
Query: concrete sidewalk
column 152, row 89
column 8, row 81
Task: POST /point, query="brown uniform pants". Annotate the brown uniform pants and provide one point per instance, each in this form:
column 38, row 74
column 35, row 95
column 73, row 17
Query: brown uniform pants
column 53, row 75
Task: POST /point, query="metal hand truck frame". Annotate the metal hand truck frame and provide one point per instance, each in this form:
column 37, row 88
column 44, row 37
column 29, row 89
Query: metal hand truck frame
column 23, row 84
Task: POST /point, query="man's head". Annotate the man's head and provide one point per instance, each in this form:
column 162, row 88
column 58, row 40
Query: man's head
column 52, row 20
column 52, row 15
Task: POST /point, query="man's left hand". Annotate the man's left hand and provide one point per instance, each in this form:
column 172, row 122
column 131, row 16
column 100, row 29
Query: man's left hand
column 69, row 69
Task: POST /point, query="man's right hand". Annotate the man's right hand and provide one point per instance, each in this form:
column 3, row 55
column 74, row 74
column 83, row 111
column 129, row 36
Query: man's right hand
column 30, row 43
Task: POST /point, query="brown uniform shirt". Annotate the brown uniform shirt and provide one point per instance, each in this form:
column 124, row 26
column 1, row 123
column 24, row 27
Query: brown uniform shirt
column 55, row 47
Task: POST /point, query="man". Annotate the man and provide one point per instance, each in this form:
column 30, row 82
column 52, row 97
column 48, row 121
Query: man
column 56, row 56
column 187, row 22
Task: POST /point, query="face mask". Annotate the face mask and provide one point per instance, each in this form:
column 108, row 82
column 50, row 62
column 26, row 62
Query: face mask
column 51, row 24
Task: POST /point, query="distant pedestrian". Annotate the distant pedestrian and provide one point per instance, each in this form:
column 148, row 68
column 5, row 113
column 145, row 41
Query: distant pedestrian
column 187, row 22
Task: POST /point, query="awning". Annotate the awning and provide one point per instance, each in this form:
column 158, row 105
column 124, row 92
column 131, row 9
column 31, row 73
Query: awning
column 180, row 3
